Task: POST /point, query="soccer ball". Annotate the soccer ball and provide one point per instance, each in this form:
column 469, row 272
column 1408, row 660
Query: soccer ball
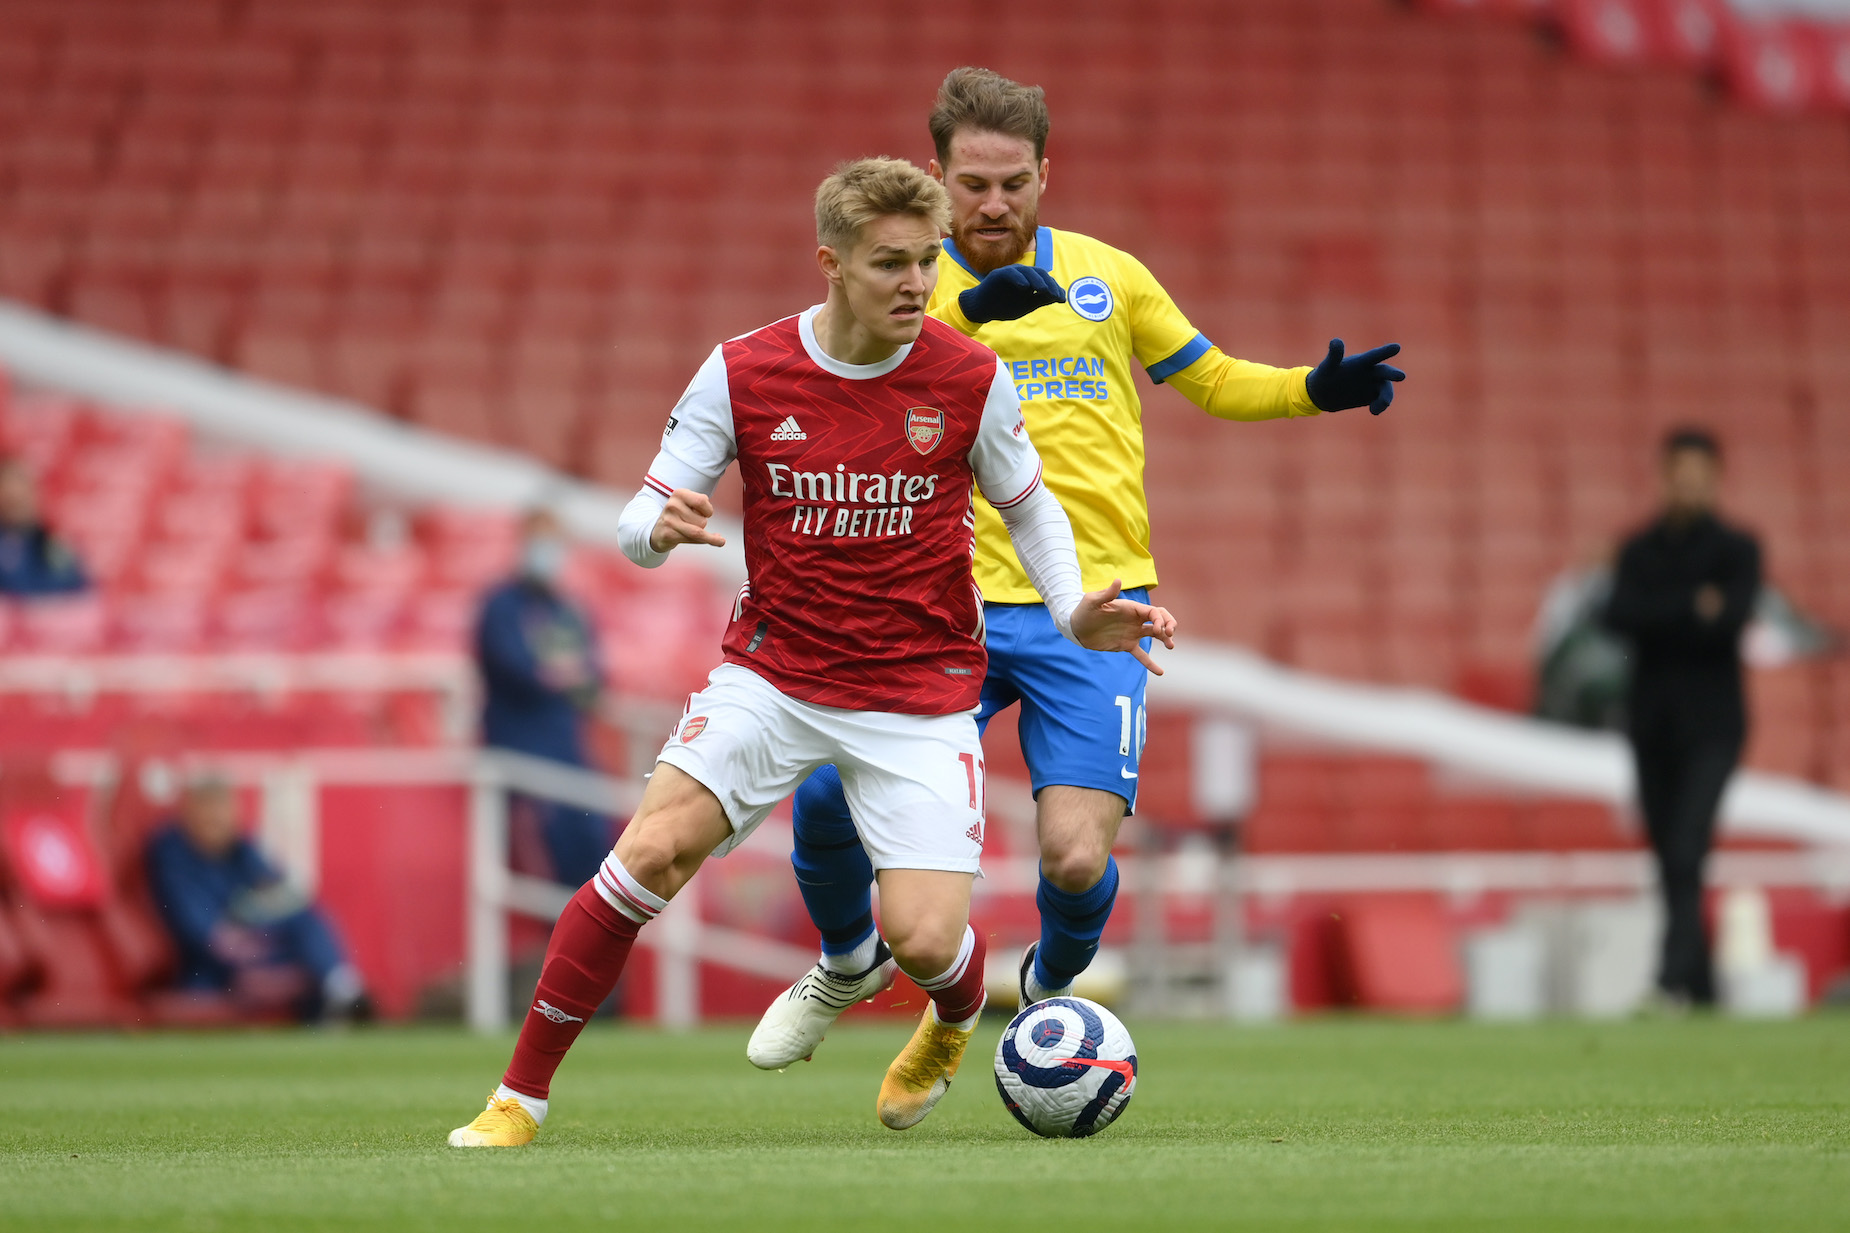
column 1065, row 1068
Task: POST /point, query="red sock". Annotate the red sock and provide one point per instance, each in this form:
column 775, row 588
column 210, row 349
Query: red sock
column 589, row 947
column 958, row 993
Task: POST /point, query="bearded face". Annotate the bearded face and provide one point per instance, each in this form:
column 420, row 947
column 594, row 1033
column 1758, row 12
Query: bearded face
column 995, row 185
column 991, row 243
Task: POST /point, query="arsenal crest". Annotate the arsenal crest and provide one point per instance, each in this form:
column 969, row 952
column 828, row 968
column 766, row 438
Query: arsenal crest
column 693, row 728
column 924, row 428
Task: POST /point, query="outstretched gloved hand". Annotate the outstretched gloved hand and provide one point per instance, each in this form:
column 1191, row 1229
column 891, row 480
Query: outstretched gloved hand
column 1359, row 381
column 1010, row 293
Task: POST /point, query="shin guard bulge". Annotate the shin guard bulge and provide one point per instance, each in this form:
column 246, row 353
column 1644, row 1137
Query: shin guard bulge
column 590, row 945
column 833, row 872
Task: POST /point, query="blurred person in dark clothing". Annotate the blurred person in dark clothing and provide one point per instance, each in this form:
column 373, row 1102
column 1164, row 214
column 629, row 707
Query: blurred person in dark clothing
column 1684, row 589
column 539, row 662
column 238, row 926
column 33, row 561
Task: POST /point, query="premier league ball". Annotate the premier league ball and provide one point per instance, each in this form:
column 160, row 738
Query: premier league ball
column 1066, row 1068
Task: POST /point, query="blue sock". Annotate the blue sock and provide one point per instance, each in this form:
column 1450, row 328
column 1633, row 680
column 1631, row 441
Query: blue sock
column 832, row 868
column 1070, row 927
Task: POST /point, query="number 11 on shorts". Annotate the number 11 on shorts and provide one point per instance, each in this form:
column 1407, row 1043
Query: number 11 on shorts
column 973, row 769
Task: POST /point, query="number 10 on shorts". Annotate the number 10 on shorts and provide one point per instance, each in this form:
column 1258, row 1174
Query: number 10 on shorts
column 1132, row 721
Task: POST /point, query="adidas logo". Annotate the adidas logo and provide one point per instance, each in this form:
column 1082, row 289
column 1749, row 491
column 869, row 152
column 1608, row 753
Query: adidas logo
column 975, row 833
column 788, row 431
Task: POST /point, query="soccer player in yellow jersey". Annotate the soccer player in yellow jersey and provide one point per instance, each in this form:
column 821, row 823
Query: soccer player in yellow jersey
column 1082, row 714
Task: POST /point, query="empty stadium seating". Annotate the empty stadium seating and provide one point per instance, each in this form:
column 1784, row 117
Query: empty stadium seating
column 526, row 222
column 195, row 548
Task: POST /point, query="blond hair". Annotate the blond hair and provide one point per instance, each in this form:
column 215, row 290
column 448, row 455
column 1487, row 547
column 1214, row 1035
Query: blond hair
column 870, row 188
column 988, row 102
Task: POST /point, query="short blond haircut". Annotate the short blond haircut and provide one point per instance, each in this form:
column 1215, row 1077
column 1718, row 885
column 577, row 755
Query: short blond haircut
column 870, row 188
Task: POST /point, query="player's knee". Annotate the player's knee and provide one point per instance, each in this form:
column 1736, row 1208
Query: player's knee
column 924, row 948
column 1075, row 867
column 650, row 850
column 820, row 810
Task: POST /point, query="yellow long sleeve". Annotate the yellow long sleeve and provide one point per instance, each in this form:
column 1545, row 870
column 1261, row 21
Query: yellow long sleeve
column 946, row 309
column 1231, row 389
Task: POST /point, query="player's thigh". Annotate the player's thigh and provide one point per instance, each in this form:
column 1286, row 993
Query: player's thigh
column 747, row 744
column 915, row 787
column 1076, row 829
column 1082, row 715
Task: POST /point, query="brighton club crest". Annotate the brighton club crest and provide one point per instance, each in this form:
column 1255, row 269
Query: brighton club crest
column 924, row 428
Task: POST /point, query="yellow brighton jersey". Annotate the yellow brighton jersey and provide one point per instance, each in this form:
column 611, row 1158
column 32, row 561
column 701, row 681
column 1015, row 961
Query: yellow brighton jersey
column 1072, row 368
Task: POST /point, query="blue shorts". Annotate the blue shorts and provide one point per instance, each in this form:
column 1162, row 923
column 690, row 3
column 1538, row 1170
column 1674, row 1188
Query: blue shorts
column 1082, row 718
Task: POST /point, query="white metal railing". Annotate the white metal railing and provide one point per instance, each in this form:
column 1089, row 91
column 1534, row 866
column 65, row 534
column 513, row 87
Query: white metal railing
column 1475, row 741
column 680, row 940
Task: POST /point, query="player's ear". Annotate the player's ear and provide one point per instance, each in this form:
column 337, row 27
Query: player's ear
column 1044, row 165
column 936, row 172
column 829, row 263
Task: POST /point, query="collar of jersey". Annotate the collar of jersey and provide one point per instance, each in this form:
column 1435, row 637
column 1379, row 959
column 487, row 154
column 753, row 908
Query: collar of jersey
column 806, row 330
column 1043, row 253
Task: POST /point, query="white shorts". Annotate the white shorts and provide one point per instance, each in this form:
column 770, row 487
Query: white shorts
column 914, row 782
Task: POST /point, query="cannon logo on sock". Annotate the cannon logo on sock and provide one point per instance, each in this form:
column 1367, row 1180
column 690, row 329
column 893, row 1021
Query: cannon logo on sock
column 554, row 1013
column 693, row 728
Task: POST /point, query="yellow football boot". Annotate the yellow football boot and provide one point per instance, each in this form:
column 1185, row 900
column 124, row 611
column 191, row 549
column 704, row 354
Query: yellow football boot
column 922, row 1073
column 504, row 1123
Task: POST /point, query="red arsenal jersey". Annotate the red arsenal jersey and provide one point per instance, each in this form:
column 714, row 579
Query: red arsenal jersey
column 858, row 521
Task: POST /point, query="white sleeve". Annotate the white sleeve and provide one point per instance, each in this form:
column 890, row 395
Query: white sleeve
column 1043, row 540
column 697, row 447
column 1003, row 458
column 1008, row 470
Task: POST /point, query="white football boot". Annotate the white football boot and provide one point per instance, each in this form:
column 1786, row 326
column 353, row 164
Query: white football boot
column 797, row 1021
column 1031, row 991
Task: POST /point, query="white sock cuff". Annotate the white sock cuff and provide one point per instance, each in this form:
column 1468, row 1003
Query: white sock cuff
column 625, row 893
column 853, row 962
column 535, row 1107
column 955, row 972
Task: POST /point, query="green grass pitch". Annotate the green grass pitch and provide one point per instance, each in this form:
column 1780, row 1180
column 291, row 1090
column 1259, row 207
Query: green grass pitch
column 1337, row 1124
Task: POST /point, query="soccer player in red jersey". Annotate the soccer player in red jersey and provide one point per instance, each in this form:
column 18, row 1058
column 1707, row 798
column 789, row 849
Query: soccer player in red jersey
column 1082, row 720
column 860, row 427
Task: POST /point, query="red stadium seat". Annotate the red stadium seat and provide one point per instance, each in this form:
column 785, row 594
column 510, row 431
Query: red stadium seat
column 1399, row 955
column 1473, row 824
column 62, row 626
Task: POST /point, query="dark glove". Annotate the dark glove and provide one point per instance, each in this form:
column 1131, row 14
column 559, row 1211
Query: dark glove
column 1359, row 381
column 1010, row 293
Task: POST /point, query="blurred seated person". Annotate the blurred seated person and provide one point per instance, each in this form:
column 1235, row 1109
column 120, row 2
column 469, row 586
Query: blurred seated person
column 33, row 561
column 239, row 927
column 541, row 676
